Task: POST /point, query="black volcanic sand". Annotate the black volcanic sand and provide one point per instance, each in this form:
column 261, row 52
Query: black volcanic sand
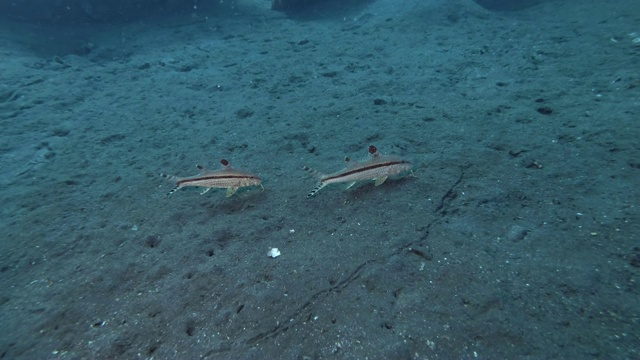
column 518, row 236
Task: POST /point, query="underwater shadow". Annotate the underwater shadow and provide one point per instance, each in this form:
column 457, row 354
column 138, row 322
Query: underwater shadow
column 328, row 9
column 508, row 5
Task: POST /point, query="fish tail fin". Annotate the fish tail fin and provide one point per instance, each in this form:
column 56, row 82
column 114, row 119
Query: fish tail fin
column 317, row 174
column 312, row 171
column 316, row 189
column 174, row 179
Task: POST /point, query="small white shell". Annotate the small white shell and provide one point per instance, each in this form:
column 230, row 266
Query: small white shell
column 274, row 253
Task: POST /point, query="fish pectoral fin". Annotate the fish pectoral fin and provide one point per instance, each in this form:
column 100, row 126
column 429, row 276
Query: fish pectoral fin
column 205, row 191
column 350, row 185
column 231, row 191
column 380, row 180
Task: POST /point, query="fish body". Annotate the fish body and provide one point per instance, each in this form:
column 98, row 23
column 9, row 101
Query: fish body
column 225, row 178
column 377, row 167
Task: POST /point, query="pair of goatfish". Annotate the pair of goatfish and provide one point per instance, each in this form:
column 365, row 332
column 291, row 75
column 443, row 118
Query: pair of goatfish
column 376, row 167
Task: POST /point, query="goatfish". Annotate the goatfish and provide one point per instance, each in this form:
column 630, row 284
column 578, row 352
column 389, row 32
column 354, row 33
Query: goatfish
column 224, row 178
column 377, row 167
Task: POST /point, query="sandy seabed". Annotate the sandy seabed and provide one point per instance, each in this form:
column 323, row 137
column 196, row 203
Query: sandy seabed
column 518, row 236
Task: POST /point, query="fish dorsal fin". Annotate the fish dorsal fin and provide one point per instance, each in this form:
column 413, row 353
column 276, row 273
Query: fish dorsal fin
column 373, row 151
column 203, row 170
column 225, row 164
column 374, row 155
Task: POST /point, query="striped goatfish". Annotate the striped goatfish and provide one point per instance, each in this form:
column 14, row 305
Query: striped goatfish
column 225, row 178
column 377, row 167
